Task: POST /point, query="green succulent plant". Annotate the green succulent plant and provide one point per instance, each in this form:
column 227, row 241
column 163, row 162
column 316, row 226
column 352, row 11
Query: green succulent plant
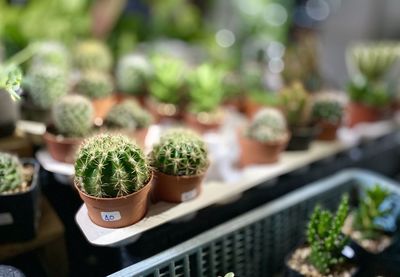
column 92, row 55
column 232, row 85
column 328, row 106
column 325, row 237
column 252, row 77
column 132, row 73
column 50, row 53
column 180, row 152
column 368, row 210
column 374, row 94
column 10, row 80
column 46, row 85
column 11, row 176
column 205, row 89
column 268, row 125
column 109, row 166
column 168, row 79
column 94, row 84
column 73, row 116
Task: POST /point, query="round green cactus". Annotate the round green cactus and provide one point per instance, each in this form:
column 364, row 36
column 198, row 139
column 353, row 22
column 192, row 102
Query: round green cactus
column 46, row 85
column 328, row 106
column 180, row 152
column 268, row 125
column 11, row 176
column 51, row 53
column 296, row 104
column 110, row 166
column 133, row 71
column 73, row 116
column 94, row 84
column 92, row 55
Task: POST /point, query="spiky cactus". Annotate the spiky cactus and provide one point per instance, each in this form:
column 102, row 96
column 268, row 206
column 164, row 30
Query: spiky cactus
column 46, row 85
column 328, row 106
column 92, row 55
column 11, row 176
column 325, row 237
column 128, row 115
column 296, row 104
column 94, row 84
column 110, row 166
column 51, row 53
column 180, row 152
column 73, row 116
column 268, row 125
column 132, row 74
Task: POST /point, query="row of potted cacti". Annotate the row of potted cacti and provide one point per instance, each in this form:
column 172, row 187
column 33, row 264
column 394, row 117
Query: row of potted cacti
column 350, row 242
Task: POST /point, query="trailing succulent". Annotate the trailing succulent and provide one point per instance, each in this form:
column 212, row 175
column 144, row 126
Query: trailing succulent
column 328, row 107
column 132, row 73
column 92, row 55
column 109, row 166
column 46, row 85
column 180, row 152
column 369, row 209
column 268, row 125
column 10, row 80
column 94, row 84
column 73, row 116
column 11, row 176
column 325, row 237
column 128, row 115
column 51, row 53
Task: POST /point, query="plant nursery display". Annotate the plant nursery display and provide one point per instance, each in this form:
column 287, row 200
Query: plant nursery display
column 73, row 121
column 180, row 161
column 92, row 55
column 264, row 139
column 113, row 178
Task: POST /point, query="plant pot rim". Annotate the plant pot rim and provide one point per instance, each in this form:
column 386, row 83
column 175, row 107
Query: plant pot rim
column 286, row 139
column 156, row 171
column 77, row 187
column 49, row 135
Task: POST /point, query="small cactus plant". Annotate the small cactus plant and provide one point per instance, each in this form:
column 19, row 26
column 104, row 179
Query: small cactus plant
column 133, row 72
column 329, row 107
column 180, row 152
column 46, row 85
column 92, row 55
column 11, row 177
column 109, row 166
column 94, row 84
column 324, row 235
column 73, row 116
column 51, row 53
column 268, row 125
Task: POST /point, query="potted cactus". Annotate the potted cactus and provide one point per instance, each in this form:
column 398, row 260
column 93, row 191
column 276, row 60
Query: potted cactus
column 132, row 75
column 52, row 53
column 92, row 55
column 98, row 87
column 264, row 139
column 113, row 178
column 73, row 120
column 19, row 198
column 205, row 97
column 296, row 104
column 180, row 162
column 166, row 88
column 327, row 112
column 322, row 255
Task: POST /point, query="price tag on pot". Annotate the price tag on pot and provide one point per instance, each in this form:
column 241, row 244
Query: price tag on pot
column 6, row 219
column 186, row 196
column 111, row 216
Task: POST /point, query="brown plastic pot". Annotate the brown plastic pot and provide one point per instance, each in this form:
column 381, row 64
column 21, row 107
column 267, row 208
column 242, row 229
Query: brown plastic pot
column 193, row 121
column 176, row 189
column 61, row 149
column 102, row 106
column 117, row 212
column 358, row 113
column 255, row 152
column 327, row 130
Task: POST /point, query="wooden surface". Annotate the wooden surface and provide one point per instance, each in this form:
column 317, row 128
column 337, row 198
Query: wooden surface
column 18, row 144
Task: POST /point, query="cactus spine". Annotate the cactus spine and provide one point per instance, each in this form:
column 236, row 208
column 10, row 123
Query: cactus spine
column 73, row 116
column 94, row 85
column 296, row 104
column 128, row 115
column 180, row 152
column 268, row 125
column 51, row 53
column 110, row 166
column 93, row 55
column 11, row 176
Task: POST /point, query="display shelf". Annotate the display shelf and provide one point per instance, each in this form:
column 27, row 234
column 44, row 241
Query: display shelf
column 51, row 165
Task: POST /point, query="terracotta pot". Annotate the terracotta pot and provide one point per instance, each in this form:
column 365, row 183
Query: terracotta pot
column 164, row 112
column 251, row 107
column 193, row 121
column 328, row 130
column 176, row 189
column 117, row 212
column 62, row 149
column 102, row 106
column 358, row 113
column 255, row 152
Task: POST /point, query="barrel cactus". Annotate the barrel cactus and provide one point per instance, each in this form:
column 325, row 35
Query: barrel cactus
column 296, row 103
column 268, row 125
column 94, row 84
column 329, row 107
column 109, row 166
column 133, row 71
column 50, row 53
column 128, row 115
column 92, row 55
column 180, row 152
column 11, row 177
column 46, row 85
column 73, row 116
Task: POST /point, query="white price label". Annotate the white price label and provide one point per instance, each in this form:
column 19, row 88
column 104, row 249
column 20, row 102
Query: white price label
column 186, row 196
column 6, row 219
column 111, row 216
